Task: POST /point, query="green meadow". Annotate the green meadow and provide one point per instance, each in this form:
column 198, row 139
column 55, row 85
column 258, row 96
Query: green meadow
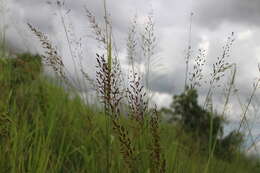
column 47, row 126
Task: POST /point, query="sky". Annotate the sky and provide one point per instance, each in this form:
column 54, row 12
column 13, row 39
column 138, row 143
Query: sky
column 212, row 23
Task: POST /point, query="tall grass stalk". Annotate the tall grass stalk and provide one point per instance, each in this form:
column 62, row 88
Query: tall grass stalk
column 213, row 140
column 3, row 27
column 66, row 135
column 255, row 87
column 254, row 143
column 148, row 38
column 219, row 68
column 188, row 55
column 77, row 80
column 132, row 45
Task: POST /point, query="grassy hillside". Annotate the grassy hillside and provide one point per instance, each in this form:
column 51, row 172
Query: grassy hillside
column 43, row 129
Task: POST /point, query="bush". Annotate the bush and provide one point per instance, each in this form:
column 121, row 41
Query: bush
column 204, row 126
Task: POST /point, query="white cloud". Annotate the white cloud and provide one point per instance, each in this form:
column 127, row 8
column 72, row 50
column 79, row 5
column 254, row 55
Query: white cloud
column 245, row 35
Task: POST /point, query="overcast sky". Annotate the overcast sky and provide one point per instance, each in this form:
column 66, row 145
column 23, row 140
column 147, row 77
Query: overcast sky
column 212, row 22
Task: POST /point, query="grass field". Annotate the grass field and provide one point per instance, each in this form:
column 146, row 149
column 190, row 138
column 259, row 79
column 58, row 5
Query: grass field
column 46, row 126
column 45, row 129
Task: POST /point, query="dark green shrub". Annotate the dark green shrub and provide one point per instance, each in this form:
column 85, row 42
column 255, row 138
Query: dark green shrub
column 205, row 127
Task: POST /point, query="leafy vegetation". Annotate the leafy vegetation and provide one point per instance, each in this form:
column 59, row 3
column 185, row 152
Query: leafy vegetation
column 204, row 126
column 45, row 129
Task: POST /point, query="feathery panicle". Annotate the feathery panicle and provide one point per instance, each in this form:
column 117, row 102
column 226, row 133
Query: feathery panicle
column 158, row 163
column 137, row 100
column 219, row 68
column 97, row 29
column 51, row 57
column 148, row 47
column 221, row 65
column 108, row 85
column 126, row 146
column 196, row 76
column 132, row 44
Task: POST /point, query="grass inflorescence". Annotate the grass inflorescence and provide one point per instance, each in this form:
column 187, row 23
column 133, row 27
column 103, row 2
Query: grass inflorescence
column 45, row 128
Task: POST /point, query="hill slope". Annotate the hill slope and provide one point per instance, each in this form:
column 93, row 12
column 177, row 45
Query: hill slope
column 43, row 129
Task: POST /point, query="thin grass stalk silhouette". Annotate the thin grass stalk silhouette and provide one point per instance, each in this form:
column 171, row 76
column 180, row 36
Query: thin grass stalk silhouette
column 51, row 57
column 104, row 75
column 256, row 85
column 187, row 59
column 219, row 68
column 244, row 118
column 77, row 81
column 254, row 143
column 131, row 45
column 66, row 33
column 231, row 86
column 148, row 46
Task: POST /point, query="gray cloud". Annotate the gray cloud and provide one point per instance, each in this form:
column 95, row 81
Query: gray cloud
column 212, row 14
column 212, row 23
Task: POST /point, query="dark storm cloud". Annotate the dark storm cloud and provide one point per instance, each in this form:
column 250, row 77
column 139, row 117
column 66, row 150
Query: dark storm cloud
column 212, row 14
